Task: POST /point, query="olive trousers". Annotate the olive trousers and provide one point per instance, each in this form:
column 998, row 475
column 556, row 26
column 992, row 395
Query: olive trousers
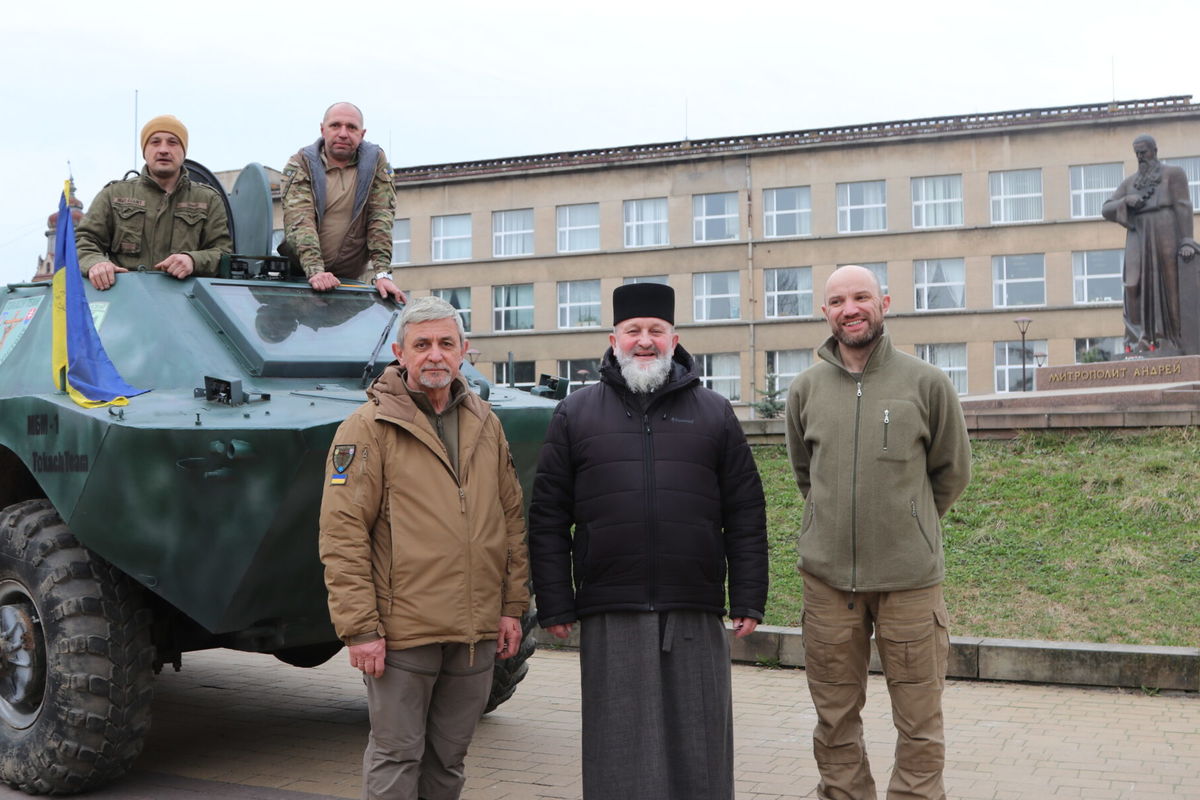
column 423, row 713
column 912, row 636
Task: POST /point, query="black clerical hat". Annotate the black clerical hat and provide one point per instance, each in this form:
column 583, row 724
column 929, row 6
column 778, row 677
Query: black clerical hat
column 643, row 300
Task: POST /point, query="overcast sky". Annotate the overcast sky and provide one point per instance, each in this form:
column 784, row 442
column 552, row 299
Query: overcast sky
column 456, row 80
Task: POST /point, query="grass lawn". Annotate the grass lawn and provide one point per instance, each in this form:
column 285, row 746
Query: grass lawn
column 1091, row 537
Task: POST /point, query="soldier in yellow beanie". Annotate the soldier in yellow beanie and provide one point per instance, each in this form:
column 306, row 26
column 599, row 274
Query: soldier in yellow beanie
column 158, row 220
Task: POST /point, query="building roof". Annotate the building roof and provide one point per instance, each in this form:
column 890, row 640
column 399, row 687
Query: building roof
column 871, row 132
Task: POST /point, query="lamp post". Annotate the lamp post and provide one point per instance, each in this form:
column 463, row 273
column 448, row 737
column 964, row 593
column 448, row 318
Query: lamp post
column 472, row 355
column 1022, row 324
column 1040, row 358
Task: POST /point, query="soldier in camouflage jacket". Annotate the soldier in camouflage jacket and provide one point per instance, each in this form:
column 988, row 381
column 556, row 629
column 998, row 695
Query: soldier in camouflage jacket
column 339, row 204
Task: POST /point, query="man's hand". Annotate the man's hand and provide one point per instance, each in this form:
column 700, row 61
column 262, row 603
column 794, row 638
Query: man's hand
column 561, row 631
column 177, row 265
column 744, row 626
column 386, row 288
column 369, row 657
column 510, row 637
column 324, row 282
column 104, row 274
column 1186, row 251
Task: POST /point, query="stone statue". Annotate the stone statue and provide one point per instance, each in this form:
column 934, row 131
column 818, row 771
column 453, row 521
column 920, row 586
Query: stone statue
column 1154, row 206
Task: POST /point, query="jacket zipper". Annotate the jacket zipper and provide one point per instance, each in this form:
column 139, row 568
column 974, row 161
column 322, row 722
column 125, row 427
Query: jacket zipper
column 920, row 526
column 886, row 421
column 854, row 494
column 648, row 450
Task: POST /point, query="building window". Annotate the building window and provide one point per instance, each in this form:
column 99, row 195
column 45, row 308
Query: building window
column 1091, row 185
column 512, row 233
column 523, row 374
column 579, row 304
column 950, row 359
column 787, row 212
column 784, row 365
column 460, row 298
column 715, row 217
column 1098, row 348
column 722, row 372
column 1190, row 166
column 937, row 201
column 939, row 283
column 715, row 296
column 512, row 307
column 645, row 279
column 1009, row 361
column 1016, row 195
column 646, row 222
column 1098, row 276
column 579, row 228
column 862, row 206
column 788, row 292
column 1019, row 280
column 451, row 237
column 401, row 241
column 579, row 372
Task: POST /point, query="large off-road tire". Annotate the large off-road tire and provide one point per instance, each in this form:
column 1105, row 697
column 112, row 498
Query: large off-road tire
column 75, row 658
column 310, row 655
column 511, row 671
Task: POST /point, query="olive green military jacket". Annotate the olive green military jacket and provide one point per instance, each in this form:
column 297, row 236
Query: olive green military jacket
column 879, row 458
column 134, row 223
column 367, row 245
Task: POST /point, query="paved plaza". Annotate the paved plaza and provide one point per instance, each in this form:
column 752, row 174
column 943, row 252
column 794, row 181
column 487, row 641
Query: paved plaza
column 246, row 727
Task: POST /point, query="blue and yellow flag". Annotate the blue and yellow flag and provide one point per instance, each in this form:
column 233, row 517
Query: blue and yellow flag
column 79, row 360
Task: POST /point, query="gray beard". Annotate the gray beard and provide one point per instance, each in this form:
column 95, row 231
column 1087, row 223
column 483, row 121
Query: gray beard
column 643, row 379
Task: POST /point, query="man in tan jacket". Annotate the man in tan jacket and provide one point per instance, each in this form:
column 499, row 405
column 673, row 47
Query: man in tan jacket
column 423, row 542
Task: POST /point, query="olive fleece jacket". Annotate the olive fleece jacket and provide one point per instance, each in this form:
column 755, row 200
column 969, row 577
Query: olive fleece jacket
column 879, row 459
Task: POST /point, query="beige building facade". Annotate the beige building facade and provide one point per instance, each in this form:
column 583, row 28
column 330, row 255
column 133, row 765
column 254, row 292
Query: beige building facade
column 971, row 222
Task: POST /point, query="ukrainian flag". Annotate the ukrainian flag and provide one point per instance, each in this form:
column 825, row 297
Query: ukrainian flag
column 79, row 359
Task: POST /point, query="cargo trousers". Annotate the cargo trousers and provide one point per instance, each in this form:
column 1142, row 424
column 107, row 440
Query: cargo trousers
column 912, row 636
column 423, row 711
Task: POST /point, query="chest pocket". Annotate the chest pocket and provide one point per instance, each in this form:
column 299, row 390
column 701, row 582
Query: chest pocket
column 894, row 430
column 189, row 225
column 191, row 215
column 128, row 226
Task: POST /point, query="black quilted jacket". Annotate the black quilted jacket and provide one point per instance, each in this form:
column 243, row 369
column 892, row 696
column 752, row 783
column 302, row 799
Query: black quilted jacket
column 647, row 509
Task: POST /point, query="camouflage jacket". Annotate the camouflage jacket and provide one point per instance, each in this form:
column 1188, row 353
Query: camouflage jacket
column 367, row 246
column 134, row 223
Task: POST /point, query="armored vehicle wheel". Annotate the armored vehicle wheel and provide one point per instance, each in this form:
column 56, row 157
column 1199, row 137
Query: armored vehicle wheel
column 511, row 671
column 312, row 655
column 75, row 658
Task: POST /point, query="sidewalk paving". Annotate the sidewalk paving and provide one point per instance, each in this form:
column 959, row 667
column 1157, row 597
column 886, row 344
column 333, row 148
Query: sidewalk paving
column 238, row 726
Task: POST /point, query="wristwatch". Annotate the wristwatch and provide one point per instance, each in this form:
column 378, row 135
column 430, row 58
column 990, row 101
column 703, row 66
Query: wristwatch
column 383, row 273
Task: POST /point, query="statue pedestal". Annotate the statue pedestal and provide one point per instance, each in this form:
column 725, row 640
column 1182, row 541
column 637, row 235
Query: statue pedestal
column 1130, row 372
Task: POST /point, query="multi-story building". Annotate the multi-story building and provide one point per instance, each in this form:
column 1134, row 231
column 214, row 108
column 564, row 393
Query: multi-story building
column 971, row 222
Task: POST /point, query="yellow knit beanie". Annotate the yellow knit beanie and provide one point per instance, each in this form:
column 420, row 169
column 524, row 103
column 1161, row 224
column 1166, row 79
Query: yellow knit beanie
column 165, row 123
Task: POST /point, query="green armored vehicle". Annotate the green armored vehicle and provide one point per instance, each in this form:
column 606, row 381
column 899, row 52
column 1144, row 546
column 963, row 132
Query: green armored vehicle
column 187, row 519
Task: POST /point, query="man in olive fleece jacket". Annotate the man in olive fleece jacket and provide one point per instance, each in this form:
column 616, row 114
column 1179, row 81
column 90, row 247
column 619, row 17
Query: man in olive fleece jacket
column 879, row 446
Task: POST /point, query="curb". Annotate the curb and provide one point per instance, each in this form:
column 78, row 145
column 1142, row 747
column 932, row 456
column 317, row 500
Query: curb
column 1032, row 661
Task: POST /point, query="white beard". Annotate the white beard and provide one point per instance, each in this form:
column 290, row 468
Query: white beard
column 642, row 377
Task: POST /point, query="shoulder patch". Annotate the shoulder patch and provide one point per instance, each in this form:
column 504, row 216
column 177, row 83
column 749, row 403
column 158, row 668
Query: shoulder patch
column 343, row 455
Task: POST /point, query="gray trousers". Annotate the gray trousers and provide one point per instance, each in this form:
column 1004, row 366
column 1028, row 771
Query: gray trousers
column 423, row 714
